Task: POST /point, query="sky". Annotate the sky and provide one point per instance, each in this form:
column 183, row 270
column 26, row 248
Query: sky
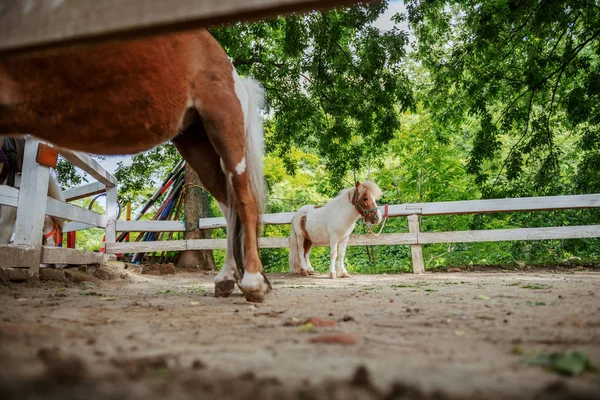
column 384, row 23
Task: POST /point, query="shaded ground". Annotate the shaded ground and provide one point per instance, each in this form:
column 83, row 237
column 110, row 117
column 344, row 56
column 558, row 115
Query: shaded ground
column 450, row 335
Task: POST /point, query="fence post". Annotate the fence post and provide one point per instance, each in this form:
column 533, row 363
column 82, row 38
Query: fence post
column 32, row 207
column 111, row 213
column 416, row 250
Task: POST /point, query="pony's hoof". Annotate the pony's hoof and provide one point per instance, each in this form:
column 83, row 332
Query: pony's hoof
column 255, row 286
column 345, row 275
column 224, row 288
column 311, row 272
column 332, row 275
column 304, row 273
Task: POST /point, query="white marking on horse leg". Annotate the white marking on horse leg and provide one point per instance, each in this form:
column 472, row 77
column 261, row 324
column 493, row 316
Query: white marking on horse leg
column 228, row 271
column 252, row 281
column 241, row 167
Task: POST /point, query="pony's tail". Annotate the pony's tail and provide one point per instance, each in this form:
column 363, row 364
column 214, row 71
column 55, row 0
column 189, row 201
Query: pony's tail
column 254, row 168
column 55, row 192
column 295, row 264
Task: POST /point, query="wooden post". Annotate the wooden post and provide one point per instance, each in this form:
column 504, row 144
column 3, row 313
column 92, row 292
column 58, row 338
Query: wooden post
column 416, row 250
column 32, row 207
column 111, row 213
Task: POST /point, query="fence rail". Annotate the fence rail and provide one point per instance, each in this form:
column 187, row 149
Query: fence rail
column 33, row 204
column 415, row 238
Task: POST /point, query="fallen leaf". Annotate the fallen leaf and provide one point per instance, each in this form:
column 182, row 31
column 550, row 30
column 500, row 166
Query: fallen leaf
column 194, row 303
column 335, row 338
column 459, row 333
column 308, row 328
column 271, row 314
column 482, row 297
column 293, row 322
column 571, row 363
column 319, row 322
column 108, row 298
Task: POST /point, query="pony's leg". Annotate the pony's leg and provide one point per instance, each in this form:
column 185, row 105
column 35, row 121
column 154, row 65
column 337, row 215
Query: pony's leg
column 309, row 268
column 333, row 242
column 8, row 216
column 221, row 112
column 196, row 149
column 341, row 270
column 301, row 252
column 225, row 279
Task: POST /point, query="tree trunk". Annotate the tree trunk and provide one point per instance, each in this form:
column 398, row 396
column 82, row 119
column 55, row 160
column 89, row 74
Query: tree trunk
column 194, row 208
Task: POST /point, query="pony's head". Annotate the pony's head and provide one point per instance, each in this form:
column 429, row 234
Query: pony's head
column 364, row 200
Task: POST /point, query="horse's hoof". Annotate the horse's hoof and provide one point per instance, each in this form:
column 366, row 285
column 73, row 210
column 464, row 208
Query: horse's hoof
column 311, row 272
column 345, row 275
column 224, row 288
column 332, row 275
column 255, row 287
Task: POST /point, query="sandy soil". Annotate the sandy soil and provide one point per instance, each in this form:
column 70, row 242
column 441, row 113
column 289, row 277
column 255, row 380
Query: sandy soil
column 443, row 335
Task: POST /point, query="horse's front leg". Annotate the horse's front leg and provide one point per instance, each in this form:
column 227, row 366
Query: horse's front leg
column 341, row 270
column 333, row 242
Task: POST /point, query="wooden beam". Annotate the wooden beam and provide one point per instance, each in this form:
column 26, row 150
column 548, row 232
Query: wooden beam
column 77, row 226
column 72, row 212
column 84, row 191
column 89, row 165
column 150, row 226
column 499, row 235
column 9, row 196
column 415, row 249
column 33, row 25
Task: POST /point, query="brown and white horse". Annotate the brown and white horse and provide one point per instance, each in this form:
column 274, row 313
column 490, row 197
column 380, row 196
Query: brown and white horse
column 123, row 97
column 332, row 224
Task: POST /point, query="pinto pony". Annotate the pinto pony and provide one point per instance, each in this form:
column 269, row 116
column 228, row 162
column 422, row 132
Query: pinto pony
column 127, row 96
column 332, row 224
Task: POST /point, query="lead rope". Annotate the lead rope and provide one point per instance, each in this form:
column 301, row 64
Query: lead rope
column 385, row 217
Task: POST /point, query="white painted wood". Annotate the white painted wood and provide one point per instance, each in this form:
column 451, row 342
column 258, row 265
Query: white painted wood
column 9, row 196
column 497, row 205
column 60, row 209
column 150, row 226
column 84, row 191
column 57, row 255
column 32, row 205
column 89, row 165
column 111, row 214
column 263, row 243
column 77, row 226
column 34, row 24
column 498, row 235
column 415, row 249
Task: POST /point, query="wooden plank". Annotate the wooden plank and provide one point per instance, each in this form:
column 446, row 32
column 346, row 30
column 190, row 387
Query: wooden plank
column 89, row 165
column 9, row 196
column 29, row 25
column 150, row 226
column 76, row 226
column 72, row 212
column 84, row 191
column 111, row 214
column 263, row 243
column 498, row 235
column 58, row 255
column 32, row 205
column 415, row 249
column 267, row 219
column 505, row 205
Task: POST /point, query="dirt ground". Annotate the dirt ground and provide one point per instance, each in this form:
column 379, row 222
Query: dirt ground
column 433, row 336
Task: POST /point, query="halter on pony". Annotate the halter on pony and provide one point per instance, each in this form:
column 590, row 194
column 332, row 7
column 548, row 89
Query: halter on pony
column 56, row 233
column 361, row 210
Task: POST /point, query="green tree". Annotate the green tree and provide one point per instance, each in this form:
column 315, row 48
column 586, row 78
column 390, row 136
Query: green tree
column 527, row 71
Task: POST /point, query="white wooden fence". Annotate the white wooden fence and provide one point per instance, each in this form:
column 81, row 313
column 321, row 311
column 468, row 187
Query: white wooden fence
column 32, row 204
column 415, row 238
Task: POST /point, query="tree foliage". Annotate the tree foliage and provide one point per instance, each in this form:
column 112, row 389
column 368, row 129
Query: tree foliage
column 527, row 71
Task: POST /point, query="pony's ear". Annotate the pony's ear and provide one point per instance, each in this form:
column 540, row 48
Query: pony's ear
column 357, row 184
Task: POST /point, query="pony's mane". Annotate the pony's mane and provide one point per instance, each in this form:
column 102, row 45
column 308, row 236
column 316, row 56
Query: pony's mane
column 373, row 189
